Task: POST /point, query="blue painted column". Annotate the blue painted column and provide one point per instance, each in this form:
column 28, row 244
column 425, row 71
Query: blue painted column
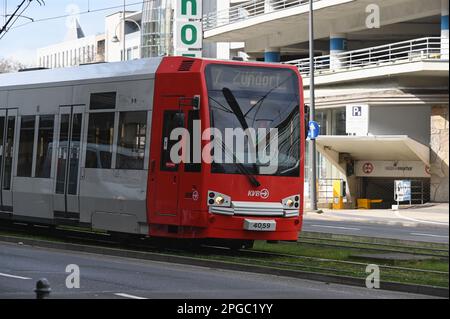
column 444, row 30
column 272, row 55
column 338, row 44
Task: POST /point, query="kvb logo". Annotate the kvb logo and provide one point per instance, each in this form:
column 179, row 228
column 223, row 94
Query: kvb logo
column 264, row 193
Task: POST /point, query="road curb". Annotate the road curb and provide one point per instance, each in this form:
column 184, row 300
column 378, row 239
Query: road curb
column 344, row 280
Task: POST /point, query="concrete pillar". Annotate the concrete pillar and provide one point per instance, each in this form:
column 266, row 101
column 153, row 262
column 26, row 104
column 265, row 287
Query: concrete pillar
column 338, row 44
column 439, row 157
column 272, row 55
column 444, row 30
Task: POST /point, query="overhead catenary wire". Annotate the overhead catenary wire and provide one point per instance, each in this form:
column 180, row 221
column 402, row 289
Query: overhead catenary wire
column 13, row 18
column 88, row 11
column 21, row 8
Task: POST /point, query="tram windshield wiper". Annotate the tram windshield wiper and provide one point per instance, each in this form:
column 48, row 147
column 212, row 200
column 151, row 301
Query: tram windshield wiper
column 235, row 107
column 252, row 179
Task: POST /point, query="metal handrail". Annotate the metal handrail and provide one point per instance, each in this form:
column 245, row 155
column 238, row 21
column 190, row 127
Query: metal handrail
column 407, row 51
column 247, row 10
column 325, row 189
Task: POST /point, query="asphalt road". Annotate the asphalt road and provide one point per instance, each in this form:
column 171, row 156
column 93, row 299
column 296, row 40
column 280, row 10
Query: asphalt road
column 426, row 233
column 113, row 277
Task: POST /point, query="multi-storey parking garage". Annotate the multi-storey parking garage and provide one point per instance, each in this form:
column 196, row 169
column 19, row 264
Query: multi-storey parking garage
column 385, row 60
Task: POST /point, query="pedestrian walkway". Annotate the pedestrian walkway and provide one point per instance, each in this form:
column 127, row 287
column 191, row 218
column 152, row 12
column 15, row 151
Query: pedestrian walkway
column 432, row 214
column 426, row 223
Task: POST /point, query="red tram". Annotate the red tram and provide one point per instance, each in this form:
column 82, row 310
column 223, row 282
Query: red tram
column 94, row 146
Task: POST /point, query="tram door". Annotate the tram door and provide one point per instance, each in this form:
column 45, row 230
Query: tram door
column 66, row 198
column 165, row 170
column 7, row 131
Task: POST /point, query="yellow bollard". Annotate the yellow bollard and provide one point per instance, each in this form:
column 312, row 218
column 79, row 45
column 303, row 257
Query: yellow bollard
column 338, row 194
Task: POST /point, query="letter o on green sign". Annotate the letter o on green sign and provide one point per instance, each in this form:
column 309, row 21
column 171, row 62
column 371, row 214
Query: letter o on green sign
column 184, row 31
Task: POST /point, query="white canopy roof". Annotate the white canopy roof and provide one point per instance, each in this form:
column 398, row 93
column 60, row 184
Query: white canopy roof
column 376, row 148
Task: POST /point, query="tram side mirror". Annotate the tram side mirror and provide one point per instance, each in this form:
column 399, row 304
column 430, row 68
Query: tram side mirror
column 306, row 120
column 196, row 102
column 193, row 102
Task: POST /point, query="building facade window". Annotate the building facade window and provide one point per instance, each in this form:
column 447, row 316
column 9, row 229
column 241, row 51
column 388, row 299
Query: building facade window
column 321, row 118
column 338, row 122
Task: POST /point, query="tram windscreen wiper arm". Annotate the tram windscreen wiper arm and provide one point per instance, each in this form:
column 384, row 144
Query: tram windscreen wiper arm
column 242, row 167
column 233, row 103
column 235, row 107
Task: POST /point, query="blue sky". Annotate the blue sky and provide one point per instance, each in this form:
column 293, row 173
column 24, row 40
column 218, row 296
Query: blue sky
column 21, row 42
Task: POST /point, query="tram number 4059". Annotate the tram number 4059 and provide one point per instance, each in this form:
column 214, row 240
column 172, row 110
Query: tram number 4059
column 260, row 225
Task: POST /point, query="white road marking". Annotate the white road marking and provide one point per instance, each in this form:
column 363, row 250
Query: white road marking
column 129, row 296
column 418, row 220
column 429, row 235
column 15, row 277
column 337, row 227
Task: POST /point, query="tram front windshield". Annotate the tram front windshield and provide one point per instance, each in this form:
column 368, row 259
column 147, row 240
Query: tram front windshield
column 258, row 99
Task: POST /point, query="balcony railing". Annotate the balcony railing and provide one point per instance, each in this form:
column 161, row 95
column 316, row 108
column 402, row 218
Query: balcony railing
column 405, row 51
column 247, row 10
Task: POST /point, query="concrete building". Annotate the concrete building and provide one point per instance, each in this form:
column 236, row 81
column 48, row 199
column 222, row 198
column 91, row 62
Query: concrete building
column 158, row 30
column 381, row 85
column 78, row 48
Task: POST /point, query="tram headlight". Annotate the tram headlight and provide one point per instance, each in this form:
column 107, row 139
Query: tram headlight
column 290, row 203
column 219, row 200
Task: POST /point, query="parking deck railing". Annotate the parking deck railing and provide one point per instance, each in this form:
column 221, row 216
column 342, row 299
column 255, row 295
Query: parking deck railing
column 405, row 51
column 247, row 10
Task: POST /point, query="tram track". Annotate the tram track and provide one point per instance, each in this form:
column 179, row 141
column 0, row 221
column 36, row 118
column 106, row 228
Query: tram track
column 381, row 248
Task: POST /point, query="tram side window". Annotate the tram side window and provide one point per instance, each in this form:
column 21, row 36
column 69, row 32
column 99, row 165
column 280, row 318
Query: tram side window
column 172, row 120
column 131, row 141
column 25, row 159
column 100, row 140
column 103, row 101
column 45, row 146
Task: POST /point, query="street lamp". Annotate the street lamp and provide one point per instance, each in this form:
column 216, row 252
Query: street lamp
column 115, row 38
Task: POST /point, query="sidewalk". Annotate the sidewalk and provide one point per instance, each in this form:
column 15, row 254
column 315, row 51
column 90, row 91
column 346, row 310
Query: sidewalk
column 432, row 215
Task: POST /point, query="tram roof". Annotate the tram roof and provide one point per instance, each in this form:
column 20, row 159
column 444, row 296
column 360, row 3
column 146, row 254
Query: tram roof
column 100, row 71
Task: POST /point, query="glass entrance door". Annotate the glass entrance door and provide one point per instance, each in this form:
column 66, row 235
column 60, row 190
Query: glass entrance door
column 66, row 197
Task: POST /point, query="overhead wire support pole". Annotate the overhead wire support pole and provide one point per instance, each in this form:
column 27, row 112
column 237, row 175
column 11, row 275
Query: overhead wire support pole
column 124, row 47
column 312, row 114
column 6, row 10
